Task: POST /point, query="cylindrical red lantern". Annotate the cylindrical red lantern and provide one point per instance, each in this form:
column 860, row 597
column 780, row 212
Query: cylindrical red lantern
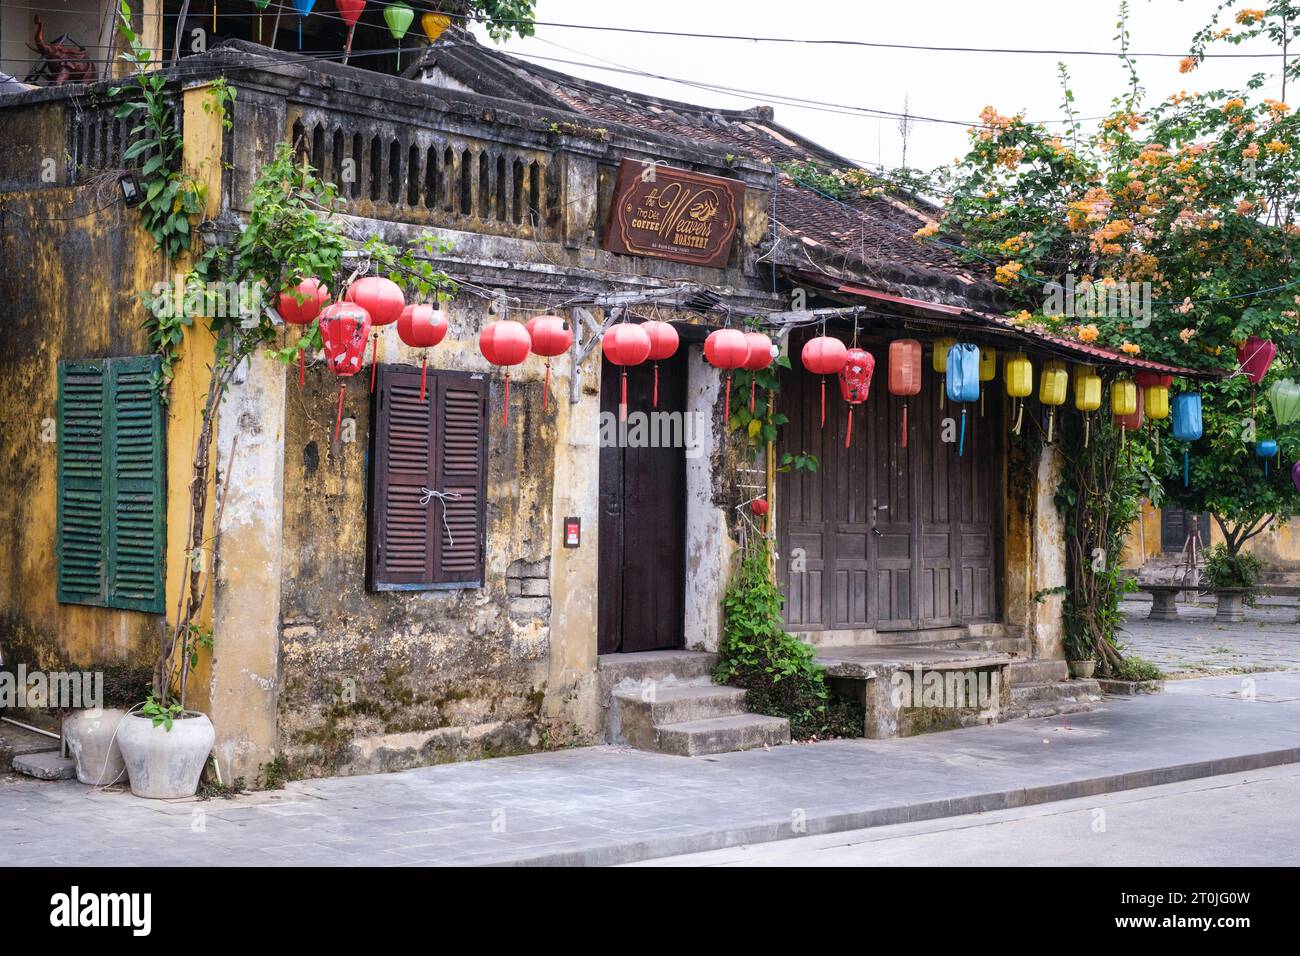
column 505, row 343
column 550, row 336
column 855, row 382
column 726, row 349
column 422, row 327
column 625, row 344
column 824, row 356
column 760, row 357
column 343, row 330
column 383, row 299
column 904, row 373
column 314, row 297
column 663, row 345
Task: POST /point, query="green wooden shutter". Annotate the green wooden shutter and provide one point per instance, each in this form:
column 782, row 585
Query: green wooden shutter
column 82, row 522
column 111, row 494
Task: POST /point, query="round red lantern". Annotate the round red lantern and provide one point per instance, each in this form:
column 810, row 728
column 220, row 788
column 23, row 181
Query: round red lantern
column 855, row 382
column 300, row 306
column 343, row 330
column 383, row 299
column 759, row 508
column 625, row 344
column 727, row 349
column 663, row 345
column 760, row 357
column 505, row 343
column 550, row 336
column 422, row 327
column 824, row 356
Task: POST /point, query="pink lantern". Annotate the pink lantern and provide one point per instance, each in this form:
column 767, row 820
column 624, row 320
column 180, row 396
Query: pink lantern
column 727, row 349
column 349, row 13
column 505, row 343
column 1255, row 355
column 855, row 382
column 314, row 297
column 625, row 344
column 383, row 299
column 343, row 330
column 422, row 327
column 663, row 345
column 760, row 357
column 550, row 336
column 824, row 356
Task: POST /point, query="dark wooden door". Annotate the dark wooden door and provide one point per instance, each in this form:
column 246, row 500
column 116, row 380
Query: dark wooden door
column 642, row 574
column 882, row 536
column 1176, row 525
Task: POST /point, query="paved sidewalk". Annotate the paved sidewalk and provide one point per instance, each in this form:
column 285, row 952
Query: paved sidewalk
column 606, row 805
column 1268, row 640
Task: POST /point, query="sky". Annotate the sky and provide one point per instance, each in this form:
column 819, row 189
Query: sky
column 939, row 85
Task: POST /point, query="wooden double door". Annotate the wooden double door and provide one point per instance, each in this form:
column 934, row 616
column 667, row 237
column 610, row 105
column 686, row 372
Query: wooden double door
column 885, row 537
column 641, row 602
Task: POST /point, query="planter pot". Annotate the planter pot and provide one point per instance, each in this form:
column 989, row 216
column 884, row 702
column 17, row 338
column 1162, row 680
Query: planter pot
column 92, row 742
column 165, row 764
column 1232, row 606
column 1081, row 670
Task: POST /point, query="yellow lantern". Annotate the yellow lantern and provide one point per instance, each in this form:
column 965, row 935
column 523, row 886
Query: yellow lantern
column 988, row 370
column 1155, row 400
column 434, row 24
column 939, row 361
column 1051, row 390
column 1087, row 389
column 1020, row 375
column 1123, row 396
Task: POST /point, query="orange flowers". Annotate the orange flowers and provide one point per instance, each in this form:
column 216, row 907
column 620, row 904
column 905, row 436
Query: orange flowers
column 1187, row 64
column 1131, row 348
column 1088, row 333
column 1009, row 273
column 1247, row 16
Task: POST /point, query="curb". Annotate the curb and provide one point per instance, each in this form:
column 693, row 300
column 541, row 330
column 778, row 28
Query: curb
column 613, row 854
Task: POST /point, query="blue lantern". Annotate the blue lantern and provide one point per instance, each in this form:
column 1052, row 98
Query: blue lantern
column 963, row 381
column 304, row 8
column 1187, row 424
column 1266, row 448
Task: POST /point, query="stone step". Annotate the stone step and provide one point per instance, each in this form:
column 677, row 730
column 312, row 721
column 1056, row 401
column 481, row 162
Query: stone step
column 716, row 735
column 17, row 741
column 1000, row 645
column 1052, row 709
column 673, row 703
column 616, row 669
column 46, row 765
column 1053, row 690
column 1037, row 672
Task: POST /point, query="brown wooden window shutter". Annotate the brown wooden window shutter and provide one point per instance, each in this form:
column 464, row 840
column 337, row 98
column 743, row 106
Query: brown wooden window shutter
column 427, row 455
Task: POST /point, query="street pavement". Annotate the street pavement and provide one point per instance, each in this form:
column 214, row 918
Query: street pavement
column 1195, row 645
column 1230, row 820
column 607, row 805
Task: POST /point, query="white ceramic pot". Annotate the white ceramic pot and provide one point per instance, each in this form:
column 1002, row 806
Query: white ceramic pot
column 165, row 764
column 91, row 737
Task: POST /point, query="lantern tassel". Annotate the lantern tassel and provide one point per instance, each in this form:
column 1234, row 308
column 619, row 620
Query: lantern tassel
column 214, row 17
column 961, row 441
column 302, row 367
column 1087, row 427
column 347, row 49
column 300, row 33
column 823, row 401
column 622, row 401
column 505, row 405
column 655, row 400
column 904, row 423
column 726, row 408
column 981, row 403
column 546, row 393
column 753, row 385
column 424, row 373
column 374, row 365
column 338, row 418
column 1051, row 424
column 1187, row 466
column 848, row 432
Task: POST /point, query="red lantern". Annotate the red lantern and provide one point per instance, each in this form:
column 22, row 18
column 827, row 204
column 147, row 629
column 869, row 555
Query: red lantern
column 759, row 507
column 422, row 327
column 1254, row 356
column 314, row 297
column 505, row 343
column 383, row 299
column 625, row 344
column 343, row 330
column 855, row 382
column 760, row 357
column 904, row 373
column 824, row 356
column 550, row 336
column 663, row 345
column 1131, row 422
column 727, row 349
column 349, row 13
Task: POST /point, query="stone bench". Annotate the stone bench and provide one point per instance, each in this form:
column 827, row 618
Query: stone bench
column 1163, row 596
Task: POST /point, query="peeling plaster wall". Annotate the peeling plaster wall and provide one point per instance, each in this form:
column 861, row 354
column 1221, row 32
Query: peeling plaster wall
column 709, row 545
column 1048, row 562
column 380, row 681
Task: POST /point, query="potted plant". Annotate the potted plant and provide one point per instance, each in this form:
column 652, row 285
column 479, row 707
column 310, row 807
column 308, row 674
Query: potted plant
column 91, row 734
column 1079, row 657
column 1234, row 578
column 165, row 747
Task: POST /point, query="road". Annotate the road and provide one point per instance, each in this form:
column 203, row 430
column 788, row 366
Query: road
column 1238, row 819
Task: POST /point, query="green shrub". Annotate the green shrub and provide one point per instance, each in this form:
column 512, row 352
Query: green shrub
column 1223, row 569
column 776, row 668
column 1137, row 668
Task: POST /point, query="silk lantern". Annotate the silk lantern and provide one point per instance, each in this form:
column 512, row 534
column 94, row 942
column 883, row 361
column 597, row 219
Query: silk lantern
column 1130, row 421
column 962, row 379
column 823, row 356
column 760, row 357
column 261, row 5
column 1187, row 425
column 1125, row 402
column 344, row 327
column 304, row 9
column 550, row 336
column 300, row 306
column 398, row 16
column 1087, row 396
column 1284, row 396
column 434, row 25
column 1254, row 356
column 939, row 359
column 855, row 382
column 349, row 13
column 422, row 327
column 1295, row 475
column 663, row 345
column 626, row 344
column 504, row 343
column 1019, row 373
column 1052, row 387
column 1266, row 448
column 759, row 507
column 904, row 373
column 988, row 370
column 727, row 349
column 384, row 300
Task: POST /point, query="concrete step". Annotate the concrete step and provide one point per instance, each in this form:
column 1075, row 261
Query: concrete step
column 716, row 735
column 1048, row 698
column 1037, row 672
column 17, row 741
column 615, row 669
column 1053, row 709
column 46, row 765
column 673, row 703
column 1000, row 645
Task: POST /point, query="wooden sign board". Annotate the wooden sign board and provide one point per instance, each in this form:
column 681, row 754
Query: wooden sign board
column 673, row 214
